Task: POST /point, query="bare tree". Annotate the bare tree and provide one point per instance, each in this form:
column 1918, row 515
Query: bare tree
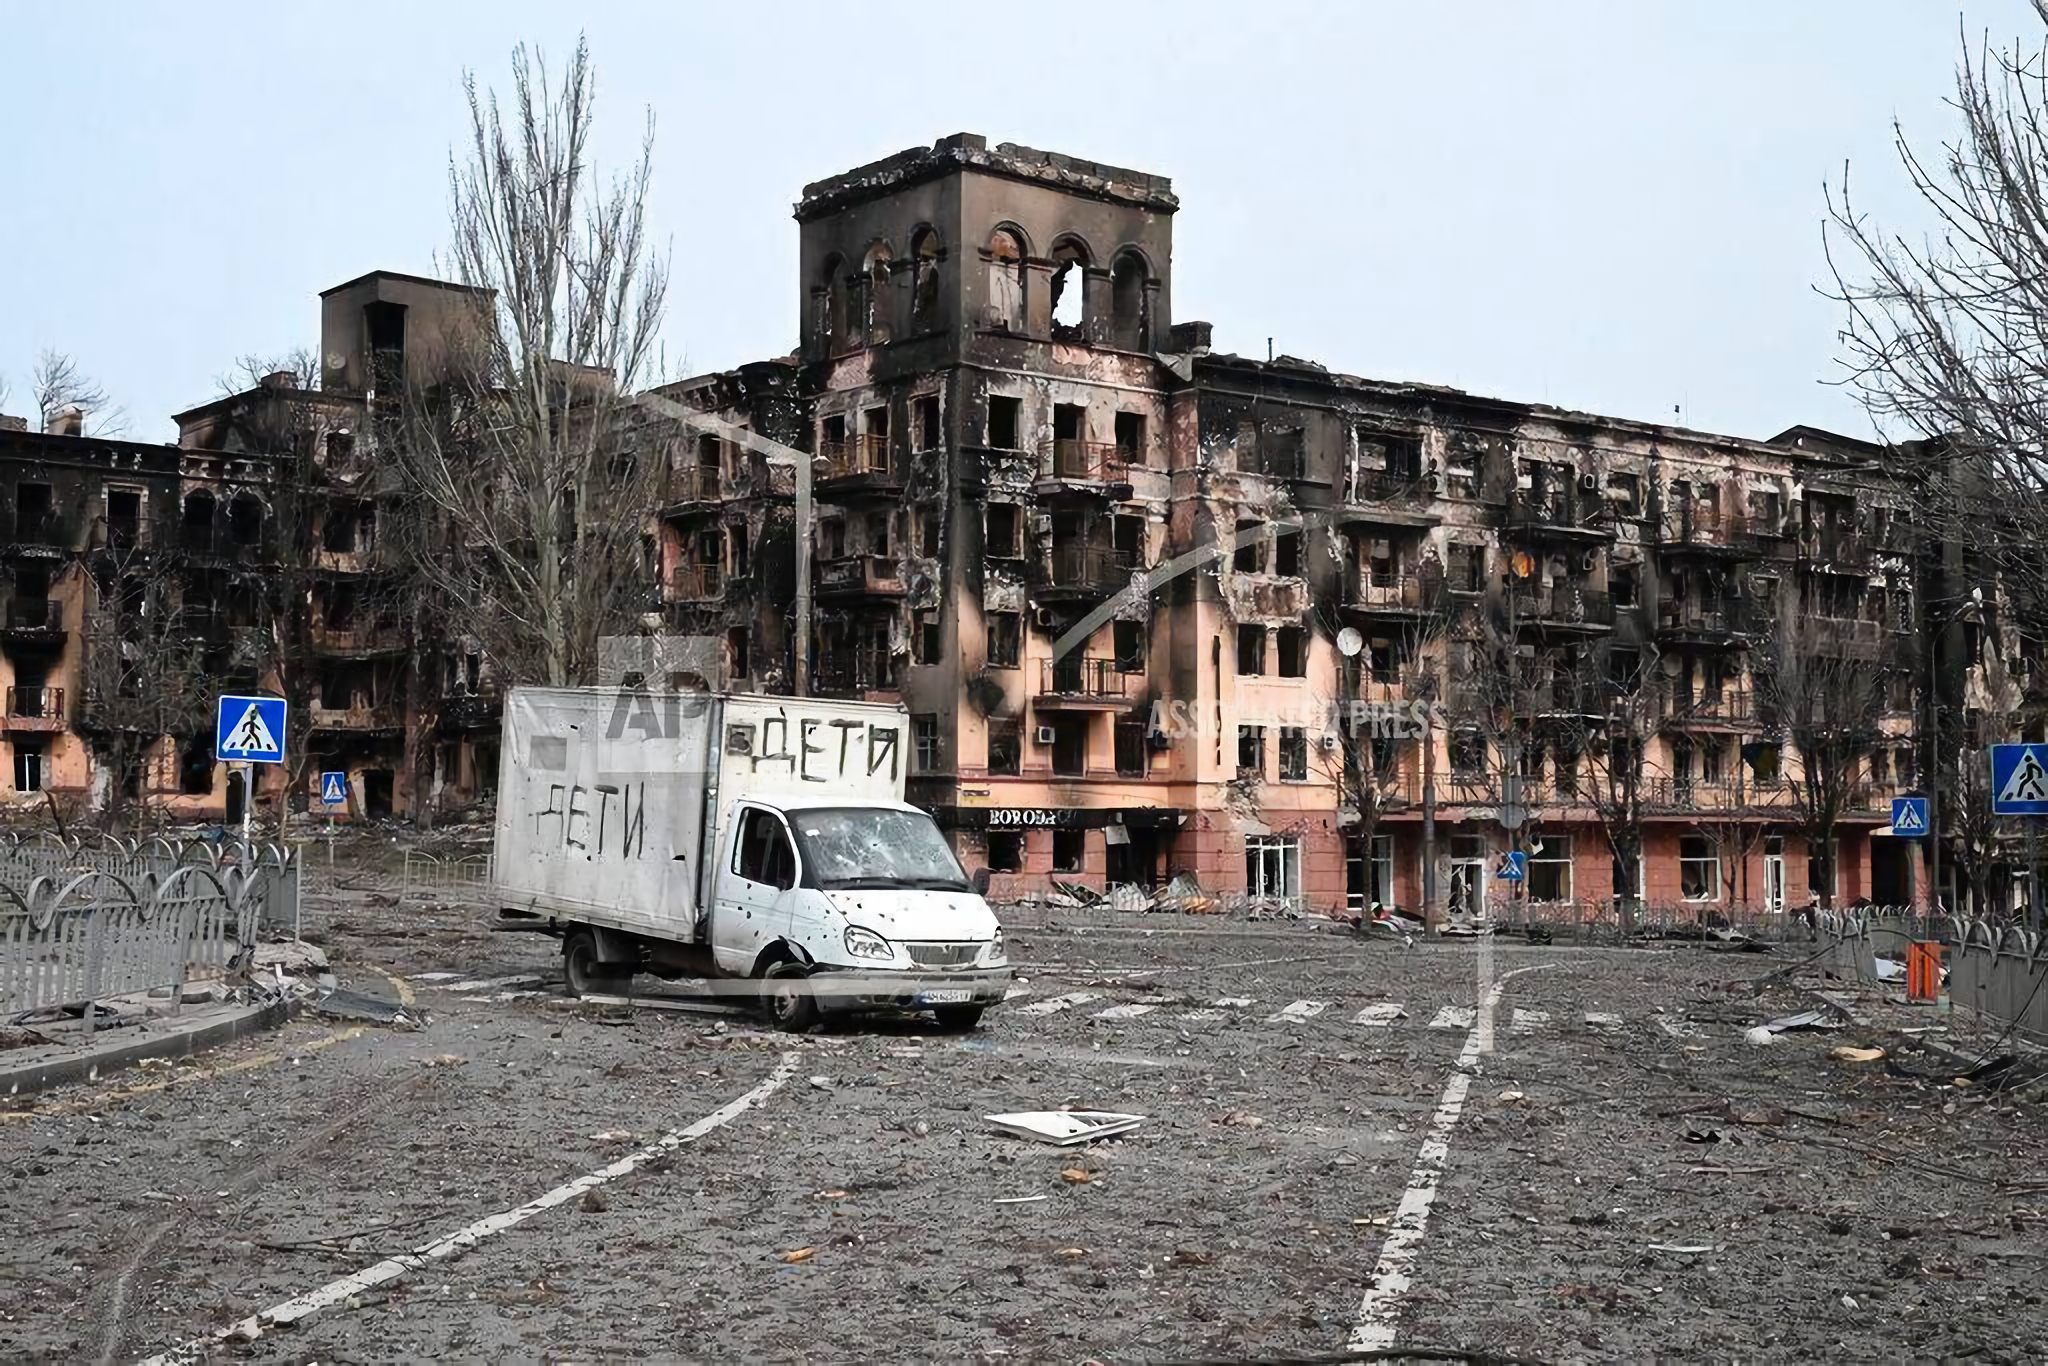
column 1614, row 713
column 527, row 468
column 59, row 386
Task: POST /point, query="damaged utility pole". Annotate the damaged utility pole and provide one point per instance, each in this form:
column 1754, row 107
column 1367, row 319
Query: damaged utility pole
column 778, row 454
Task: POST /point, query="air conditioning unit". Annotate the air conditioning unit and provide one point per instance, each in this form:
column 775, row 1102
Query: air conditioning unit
column 1045, row 734
column 1045, row 616
column 1590, row 482
column 1330, row 740
column 1590, row 561
column 1041, row 522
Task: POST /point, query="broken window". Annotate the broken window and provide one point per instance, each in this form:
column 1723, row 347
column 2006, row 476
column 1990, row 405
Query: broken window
column 1005, row 637
column 1130, row 321
column 1130, row 749
column 740, row 567
column 1069, row 848
column 195, row 768
column 1272, row 867
column 29, row 771
column 1621, row 584
column 124, row 518
column 927, row 639
column 1468, row 752
column 1006, row 851
column 1282, row 452
column 1005, row 746
column 1382, row 661
column 245, row 519
column 35, row 514
column 1003, row 412
column 831, row 539
column 1251, row 650
column 929, row 520
column 1251, row 751
column 1130, row 438
column 1001, row 524
column 1293, row 644
column 1130, row 646
column 1466, row 567
column 1550, row 869
column 1069, row 746
column 1069, row 287
column 338, row 530
column 764, row 855
column 1127, row 539
column 830, row 294
column 1287, row 554
column 1699, row 871
column 1005, row 281
column 925, row 251
column 736, row 650
column 925, row 410
column 1070, row 455
column 1250, row 555
column 197, row 522
column 1293, row 754
column 1625, row 492
column 831, row 436
column 924, row 737
column 877, row 533
column 876, row 311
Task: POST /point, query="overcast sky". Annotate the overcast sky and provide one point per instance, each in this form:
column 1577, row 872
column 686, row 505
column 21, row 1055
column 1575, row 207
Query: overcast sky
column 1608, row 206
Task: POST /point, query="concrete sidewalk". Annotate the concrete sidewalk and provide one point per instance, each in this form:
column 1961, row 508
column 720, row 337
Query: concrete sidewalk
column 139, row 1031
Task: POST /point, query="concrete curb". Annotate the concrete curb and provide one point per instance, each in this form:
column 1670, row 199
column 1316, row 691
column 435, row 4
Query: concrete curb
column 65, row 1065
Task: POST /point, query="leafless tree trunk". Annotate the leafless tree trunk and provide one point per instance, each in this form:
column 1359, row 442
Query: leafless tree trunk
column 59, row 386
column 528, row 470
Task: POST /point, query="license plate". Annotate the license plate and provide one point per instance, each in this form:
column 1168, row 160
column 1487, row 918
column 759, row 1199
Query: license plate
column 954, row 996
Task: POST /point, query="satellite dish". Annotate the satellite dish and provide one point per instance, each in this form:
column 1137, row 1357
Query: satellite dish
column 1349, row 642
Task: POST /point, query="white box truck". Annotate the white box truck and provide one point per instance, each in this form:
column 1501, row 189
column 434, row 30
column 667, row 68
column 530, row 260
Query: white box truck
column 742, row 837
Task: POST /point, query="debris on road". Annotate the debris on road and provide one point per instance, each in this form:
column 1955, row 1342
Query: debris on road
column 1688, row 1249
column 1760, row 1036
column 1064, row 1128
column 1851, row 1053
column 1021, row 1199
column 1078, row 1176
column 802, row 1254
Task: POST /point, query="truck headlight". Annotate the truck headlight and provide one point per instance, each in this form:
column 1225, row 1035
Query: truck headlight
column 995, row 952
column 862, row 943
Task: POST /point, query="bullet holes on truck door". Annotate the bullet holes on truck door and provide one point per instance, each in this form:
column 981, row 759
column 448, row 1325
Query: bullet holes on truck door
column 764, row 855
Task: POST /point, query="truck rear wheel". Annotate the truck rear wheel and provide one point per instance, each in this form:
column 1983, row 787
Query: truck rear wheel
column 587, row 976
column 787, row 997
column 960, row 1018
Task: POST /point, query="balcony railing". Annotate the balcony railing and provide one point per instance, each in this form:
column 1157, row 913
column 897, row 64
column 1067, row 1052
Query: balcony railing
column 50, row 530
column 1724, row 617
column 1385, row 486
column 1705, row 526
column 368, row 716
column 1564, row 607
column 855, row 671
column 860, row 574
column 36, row 703
column 1092, row 461
column 693, row 484
column 35, row 614
column 1076, row 676
column 1556, row 508
column 860, row 457
column 1710, row 709
column 1828, row 546
column 696, row 582
column 1395, row 591
column 1086, row 568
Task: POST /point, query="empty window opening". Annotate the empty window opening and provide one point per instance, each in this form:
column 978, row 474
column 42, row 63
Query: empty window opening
column 1250, row 555
column 1468, row 752
column 1130, row 438
column 34, row 511
column 29, row 771
column 925, row 251
column 1383, row 661
column 1000, row 535
column 1127, row 538
column 1293, row 754
column 1006, row 746
column 1251, row 751
column 1272, row 867
column 736, row 651
column 1466, row 568
column 385, row 323
column 338, row 530
column 1550, row 870
column 124, row 517
column 197, row 522
column 1069, row 849
column 1251, row 650
column 877, row 299
column 1003, row 412
column 1069, row 746
column 1130, row 646
column 927, row 640
column 1129, row 314
column 1287, row 554
column 1005, row 282
column 1005, row 635
column 878, row 533
column 1006, row 851
column 929, row 520
column 1130, row 749
column 195, row 769
column 1069, row 293
column 925, row 410
column 1293, row 647
column 764, row 855
column 832, row 436
column 740, row 567
column 1699, row 869
column 245, row 519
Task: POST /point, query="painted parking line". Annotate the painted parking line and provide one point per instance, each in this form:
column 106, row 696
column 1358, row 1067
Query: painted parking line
column 1056, row 1003
column 1298, row 1011
column 1528, row 1021
column 1129, row 1012
column 1381, row 1016
column 1453, row 1017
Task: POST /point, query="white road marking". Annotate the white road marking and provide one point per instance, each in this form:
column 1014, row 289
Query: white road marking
column 435, row 976
column 1298, row 1011
column 1048, row 1006
column 1527, row 1021
column 1232, row 1002
column 1601, row 1020
column 1376, row 1312
column 1129, row 1012
column 524, row 979
column 1453, row 1017
column 302, row 1307
column 1204, row 1014
column 1381, row 1016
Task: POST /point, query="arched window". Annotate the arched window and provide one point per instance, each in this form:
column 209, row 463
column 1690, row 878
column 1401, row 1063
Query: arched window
column 1005, row 281
column 830, row 295
column 1069, row 291
column 875, row 314
column 925, row 250
column 197, row 528
column 1130, row 328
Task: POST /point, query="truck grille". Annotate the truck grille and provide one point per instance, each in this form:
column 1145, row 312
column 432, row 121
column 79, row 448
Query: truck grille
column 942, row 955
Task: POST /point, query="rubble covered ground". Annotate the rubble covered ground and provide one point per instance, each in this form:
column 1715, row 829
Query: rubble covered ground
column 1630, row 1175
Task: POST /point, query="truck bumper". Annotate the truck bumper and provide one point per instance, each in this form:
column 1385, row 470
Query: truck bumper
column 868, row 989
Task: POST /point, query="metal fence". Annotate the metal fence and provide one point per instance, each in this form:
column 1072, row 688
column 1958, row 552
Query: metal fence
column 1998, row 970
column 81, row 921
column 464, row 877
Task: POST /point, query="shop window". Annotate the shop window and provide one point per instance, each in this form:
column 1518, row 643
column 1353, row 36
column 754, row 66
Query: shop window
column 1006, row 851
column 1272, row 867
column 1550, row 870
column 1069, row 850
column 1699, row 870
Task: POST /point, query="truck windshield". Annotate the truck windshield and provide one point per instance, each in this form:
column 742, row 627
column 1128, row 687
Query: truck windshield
column 863, row 846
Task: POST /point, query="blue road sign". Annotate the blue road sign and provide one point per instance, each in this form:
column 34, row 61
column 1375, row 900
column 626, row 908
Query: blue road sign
column 2019, row 780
column 249, row 730
column 1514, row 866
column 334, row 788
column 1909, row 816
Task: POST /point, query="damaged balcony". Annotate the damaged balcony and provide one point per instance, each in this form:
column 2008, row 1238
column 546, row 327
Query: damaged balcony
column 473, row 710
column 1387, row 498
column 1704, row 531
column 1566, row 609
column 1839, row 552
column 1724, row 624
column 860, row 575
column 34, row 709
column 33, row 621
column 1559, row 515
column 42, row 535
column 361, row 636
column 691, row 484
column 1721, row 711
column 1082, row 572
column 1075, row 682
column 359, row 718
column 1395, row 596
column 858, row 466
column 854, row 672
column 1089, row 468
column 696, row 583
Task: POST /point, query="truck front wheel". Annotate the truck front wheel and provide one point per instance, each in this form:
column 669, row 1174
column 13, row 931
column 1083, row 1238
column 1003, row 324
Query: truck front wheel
column 587, row 976
column 787, row 997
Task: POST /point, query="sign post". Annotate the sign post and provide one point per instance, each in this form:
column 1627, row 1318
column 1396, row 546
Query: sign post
column 249, row 731
column 2019, row 787
column 333, row 793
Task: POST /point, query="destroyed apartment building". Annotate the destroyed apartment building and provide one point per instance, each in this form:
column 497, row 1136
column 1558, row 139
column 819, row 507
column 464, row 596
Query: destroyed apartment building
column 1119, row 579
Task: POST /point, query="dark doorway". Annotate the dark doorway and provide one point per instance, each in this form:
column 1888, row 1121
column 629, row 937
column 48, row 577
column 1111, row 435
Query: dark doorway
column 1134, row 861
column 377, row 793
column 1888, row 871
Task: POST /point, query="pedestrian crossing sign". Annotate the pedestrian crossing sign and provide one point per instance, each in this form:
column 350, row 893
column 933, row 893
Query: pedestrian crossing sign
column 249, row 730
column 334, row 788
column 2019, row 780
column 1909, row 817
